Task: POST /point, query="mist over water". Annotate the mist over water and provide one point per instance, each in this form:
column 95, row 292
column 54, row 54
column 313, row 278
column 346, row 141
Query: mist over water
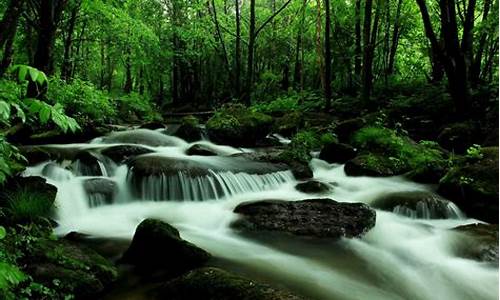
column 402, row 257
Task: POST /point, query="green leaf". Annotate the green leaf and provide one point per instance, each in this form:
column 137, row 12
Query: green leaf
column 44, row 114
column 4, row 110
column 3, row 232
column 34, row 74
column 22, row 71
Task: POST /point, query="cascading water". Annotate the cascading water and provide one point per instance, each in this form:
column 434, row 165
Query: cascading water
column 400, row 258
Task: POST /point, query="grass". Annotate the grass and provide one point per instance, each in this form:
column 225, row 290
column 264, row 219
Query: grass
column 26, row 204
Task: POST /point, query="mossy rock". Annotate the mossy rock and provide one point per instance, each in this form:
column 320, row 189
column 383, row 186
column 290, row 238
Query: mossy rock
column 238, row 126
column 158, row 245
column 374, row 165
column 458, row 137
column 289, row 123
column 216, row 284
column 473, row 186
column 335, row 152
column 78, row 269
column 189, row 129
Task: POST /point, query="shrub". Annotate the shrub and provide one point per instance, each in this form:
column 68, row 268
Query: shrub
column 303, row 143
column 140, row 105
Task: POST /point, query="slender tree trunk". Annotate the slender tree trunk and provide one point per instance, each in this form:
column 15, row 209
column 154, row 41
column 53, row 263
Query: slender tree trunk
column 328, row 58
column 297, row 73
column 8, row 24
column 477, row 60
column 68, row 43
column 357, row 46
column 367, row 64
column 7, row 55
column 250, row 58
column 237, row 52
column 395, row 39
column 319, row 47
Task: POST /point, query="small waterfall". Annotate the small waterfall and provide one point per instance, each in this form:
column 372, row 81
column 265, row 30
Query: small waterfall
column 215, row 185
column 428, row 211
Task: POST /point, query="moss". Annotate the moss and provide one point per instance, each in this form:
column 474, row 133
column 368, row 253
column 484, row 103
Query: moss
column 190, row 121
column 289, row 123
column 374, row 165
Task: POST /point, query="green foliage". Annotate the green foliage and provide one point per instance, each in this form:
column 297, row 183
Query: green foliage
column 26, row 204
column 474, row 152
column 190, row 121
column 292, row 101
column 83, row 101
column 303, row 143
column 27, row 73
column 399, row 148
column 233, row 116
column 139, row 106
column 10, row 277
column 11, row 161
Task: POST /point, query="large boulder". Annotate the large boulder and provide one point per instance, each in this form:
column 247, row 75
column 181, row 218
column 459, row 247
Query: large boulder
column 345, row 129
column 190, row 129
column 335, row 152
column 417, row 204
column 236, row 125
column 373, row 165
column 89, row 164
column 289, row 123
column 473, row 186
column 158, row 246
column 321, row 218
column 122, row 153
column 216, row 284
column 458, row 137
column 142, row 137
column 77, row 269
column 482, row 244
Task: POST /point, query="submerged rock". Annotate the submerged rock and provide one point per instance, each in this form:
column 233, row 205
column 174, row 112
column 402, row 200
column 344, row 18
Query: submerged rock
column 78, row 269
column 373, row 165
column 142, row 137
column 202, row 150
column 483, row 243
column 337, row 153
column 100, row 190
column 418, row 204
column 157, row 245
column 216, row 284
column 322, row 218
column 474, row 186
column 122, row 153
column 312, row 187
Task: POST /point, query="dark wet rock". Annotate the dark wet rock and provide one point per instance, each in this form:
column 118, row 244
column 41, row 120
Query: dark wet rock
column 337, row 153
column 289, row 123
column 473, row 186
column 152, row 125
column 321, row 218
column 190, row 129
column 39, row 154
column 157, row 245
column 156, row 165
column 429, row 173
column 312, row 187
column 458, row 137
column 202, row 150
column 373, row 165
column 141, row 137
column 101, row 189
column 236, row 125
column 419, row 204
column 301, row 171
column 88, row 164
column 78, row 269
column 122, row 153
column 345, row 129
column 216, row 284
column 483, row 242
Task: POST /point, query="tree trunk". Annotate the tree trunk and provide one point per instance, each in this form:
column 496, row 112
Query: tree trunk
column 8, row 25
column 395, row 39
column 367, row 63
column 251, row 49
column 68, row 43
column 357, row 47
column 237, row 52
column 328, row 58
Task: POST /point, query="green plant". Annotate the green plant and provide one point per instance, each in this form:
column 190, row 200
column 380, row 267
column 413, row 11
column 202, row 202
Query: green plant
column 27, row 204
column 474, row 152
column 140, row 105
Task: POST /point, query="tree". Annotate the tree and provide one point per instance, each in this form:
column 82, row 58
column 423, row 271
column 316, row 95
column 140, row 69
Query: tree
column 328, row 58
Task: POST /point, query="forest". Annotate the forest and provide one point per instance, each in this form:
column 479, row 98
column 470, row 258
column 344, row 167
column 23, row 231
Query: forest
column 249, row 149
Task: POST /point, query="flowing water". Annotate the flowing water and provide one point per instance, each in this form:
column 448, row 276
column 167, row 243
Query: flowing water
column 402, row 257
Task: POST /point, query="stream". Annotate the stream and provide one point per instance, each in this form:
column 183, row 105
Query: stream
column 400, row 258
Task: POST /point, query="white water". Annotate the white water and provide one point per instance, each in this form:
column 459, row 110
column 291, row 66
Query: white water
column 400, row 258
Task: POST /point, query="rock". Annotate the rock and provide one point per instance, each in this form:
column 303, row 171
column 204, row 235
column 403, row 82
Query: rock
column 39, row 154
column 122, row 153
column 88, row 164
column 216, row 284
column 238, row 126
column 190, row 129
column 337, row 153
column 483, row 243
column 321, row 218
column 430, row 173
column 473, row 186
column 200, row 149
column 373, row 165
column 417, row 204
column 101, row 189
column 458, row 137
column 156, row 165
column 79, row 270
column 344, row 130
column 289, row 123
column 142, row 137
column 312, row 187
column 157, row 245
column 152, row 125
